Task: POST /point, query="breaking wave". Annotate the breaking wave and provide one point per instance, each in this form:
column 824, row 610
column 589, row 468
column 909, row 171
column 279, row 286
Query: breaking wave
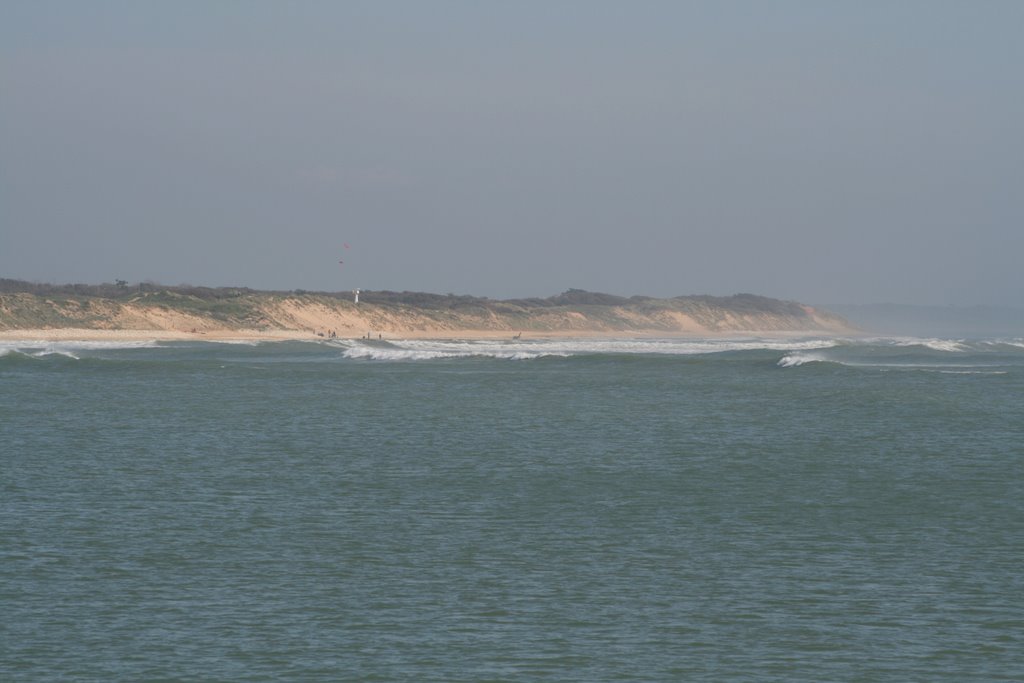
column 947, row 345
column 67, row 349
column 949, row 356
column 793, row 360
column 534, row 349
column 954, row 356
column 903, row 352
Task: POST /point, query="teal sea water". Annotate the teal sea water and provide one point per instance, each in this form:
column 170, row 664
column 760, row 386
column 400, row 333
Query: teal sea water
column 600, row 510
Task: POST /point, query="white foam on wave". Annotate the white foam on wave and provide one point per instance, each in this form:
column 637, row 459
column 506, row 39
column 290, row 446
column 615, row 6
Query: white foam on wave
column 234, row 342
column 971, row 372
column 797, row 359
column 69, row 349
column 85, row 345
column 940, row 369
column 55, row 352
column 947, row 345
column 533, row 349
column 1003, row 345
column 419, row 350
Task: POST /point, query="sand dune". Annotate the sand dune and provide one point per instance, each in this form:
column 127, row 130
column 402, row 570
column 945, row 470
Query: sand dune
column 177, row 314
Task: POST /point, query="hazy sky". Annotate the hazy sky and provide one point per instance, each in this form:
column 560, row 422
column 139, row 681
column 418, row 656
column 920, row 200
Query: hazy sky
column 828, row 152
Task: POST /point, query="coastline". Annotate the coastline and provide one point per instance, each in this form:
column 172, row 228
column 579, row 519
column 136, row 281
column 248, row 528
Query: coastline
column 183, row 315
column 75, row 334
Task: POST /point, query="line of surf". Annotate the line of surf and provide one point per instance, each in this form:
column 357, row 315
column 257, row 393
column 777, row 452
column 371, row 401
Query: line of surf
column 68, row 349
column 914, row 353
column 533, row 349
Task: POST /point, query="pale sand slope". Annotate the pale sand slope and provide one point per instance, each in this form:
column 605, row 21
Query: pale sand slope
column 291, row 318
column 80, row 334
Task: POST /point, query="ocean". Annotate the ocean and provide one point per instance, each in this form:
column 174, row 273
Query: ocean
column 544, row 510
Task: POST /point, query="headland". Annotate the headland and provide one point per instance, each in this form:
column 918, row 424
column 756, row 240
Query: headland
column 149, row 311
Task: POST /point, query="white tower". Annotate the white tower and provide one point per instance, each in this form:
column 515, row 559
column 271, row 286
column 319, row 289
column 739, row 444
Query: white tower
column 356, row 292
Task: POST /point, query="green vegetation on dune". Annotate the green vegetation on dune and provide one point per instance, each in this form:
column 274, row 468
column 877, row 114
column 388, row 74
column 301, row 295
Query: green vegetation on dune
column 227, row 309
column 32, row 305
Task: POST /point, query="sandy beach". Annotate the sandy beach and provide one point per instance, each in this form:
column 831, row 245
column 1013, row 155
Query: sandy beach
column 81, row 334
column 177, row 316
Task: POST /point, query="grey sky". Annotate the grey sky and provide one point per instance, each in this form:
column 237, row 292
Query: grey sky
column 820, row 151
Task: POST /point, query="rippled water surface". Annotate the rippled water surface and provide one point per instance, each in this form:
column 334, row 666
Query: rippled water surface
column 601, row 510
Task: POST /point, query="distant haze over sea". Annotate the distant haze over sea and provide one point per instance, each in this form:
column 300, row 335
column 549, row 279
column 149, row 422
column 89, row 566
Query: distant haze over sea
column 933, row 321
